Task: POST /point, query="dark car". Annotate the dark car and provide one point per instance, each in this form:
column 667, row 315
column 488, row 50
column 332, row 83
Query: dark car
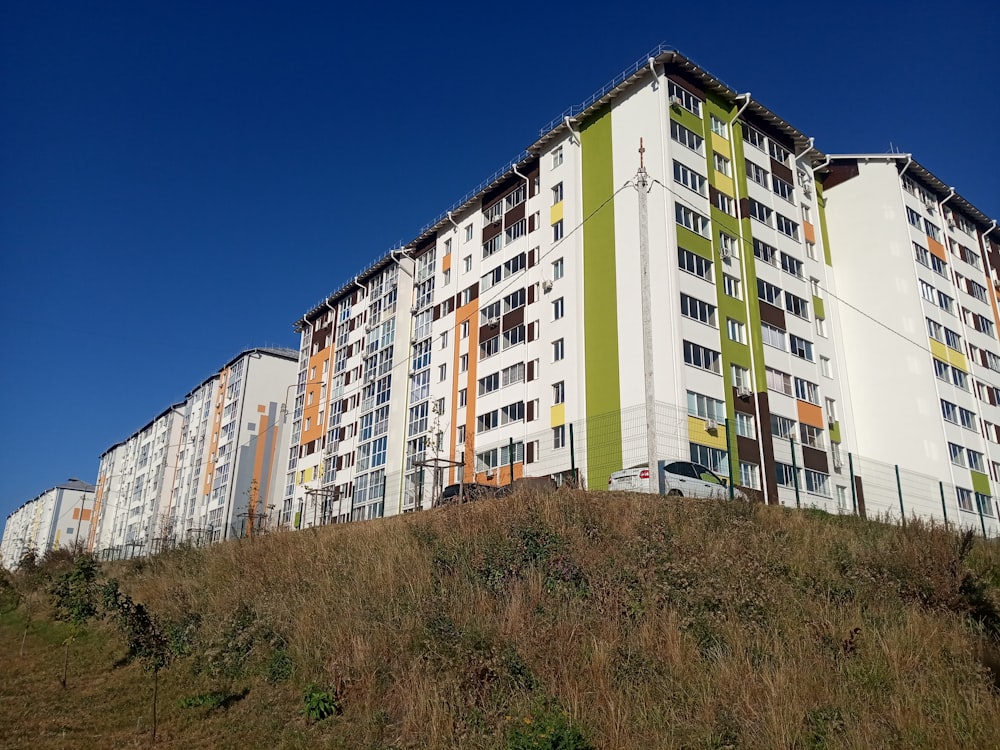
column 464, row 493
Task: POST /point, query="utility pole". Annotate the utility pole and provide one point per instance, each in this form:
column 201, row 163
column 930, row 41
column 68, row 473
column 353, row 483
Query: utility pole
column 642, row 191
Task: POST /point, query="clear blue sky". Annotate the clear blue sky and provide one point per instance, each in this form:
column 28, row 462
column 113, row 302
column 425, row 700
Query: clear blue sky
column 180, row 180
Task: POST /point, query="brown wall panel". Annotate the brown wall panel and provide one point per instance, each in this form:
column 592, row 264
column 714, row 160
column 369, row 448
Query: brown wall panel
column 815, row 459
column 513, row 319
column 780, row 170
column 515, row 214
column 775, row 316
column 747, row 448
column 838, row 173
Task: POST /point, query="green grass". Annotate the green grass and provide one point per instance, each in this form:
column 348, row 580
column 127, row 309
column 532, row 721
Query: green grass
column 555, row 622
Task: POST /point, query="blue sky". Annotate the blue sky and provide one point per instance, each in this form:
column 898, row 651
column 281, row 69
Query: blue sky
column 180, row 181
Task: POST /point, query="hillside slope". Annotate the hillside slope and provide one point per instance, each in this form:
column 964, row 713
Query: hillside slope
column 569, row 621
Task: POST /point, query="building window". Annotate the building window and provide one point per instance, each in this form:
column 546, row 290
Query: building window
column 463, row 395
column 687, row 138
column 732, row 286
column 694, row 264
column 701, row 357
column 557, row 231
column 737, row 331
column 468, row 232
column 745, row 425
column 559, row 392
column 558, row 350
column 557, row 156
column 691, row 220
column 801, row 348
column 719, row 127
column 740, row 376
column 705, row 407
column 467, row 263
column 964, row 498
column 463, row 363
column 785, row 475
column 749, row 475
column 722, row 164
column 681, row 96
column 559, row 437
column 756, row 173
column 558, row 309
column 695, row 309
column 724, row 203
column 817, row 483
column 689, row 178
column 957, row 454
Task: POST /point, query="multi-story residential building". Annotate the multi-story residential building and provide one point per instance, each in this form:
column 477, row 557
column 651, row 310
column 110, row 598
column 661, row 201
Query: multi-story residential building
column 546, row 299
column 58, row 518
column 204, row 469
column 918, row 268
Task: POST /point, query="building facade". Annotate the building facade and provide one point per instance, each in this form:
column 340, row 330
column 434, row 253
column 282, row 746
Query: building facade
column 917, row 268
column 549, row 324
column 59, row 518
column 204, row 469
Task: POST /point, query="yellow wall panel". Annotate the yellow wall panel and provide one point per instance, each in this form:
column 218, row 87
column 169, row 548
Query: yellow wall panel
column 720, row 144
column 957, row 359
column 558, row 415
column 556, row 213
column 939, row 350
column 725, row 184
column 698, row 434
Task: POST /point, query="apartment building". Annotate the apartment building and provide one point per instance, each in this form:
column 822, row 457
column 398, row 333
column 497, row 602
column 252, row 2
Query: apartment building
column 204, row 469
column 917, row 268
column 530, row 308
column 58, row 518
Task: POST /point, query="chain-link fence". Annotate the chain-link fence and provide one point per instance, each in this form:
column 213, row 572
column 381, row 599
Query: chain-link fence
column 584, row 453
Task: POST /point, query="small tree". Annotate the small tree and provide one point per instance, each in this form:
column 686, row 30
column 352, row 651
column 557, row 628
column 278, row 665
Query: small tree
column 146, row 637
column 75, row 598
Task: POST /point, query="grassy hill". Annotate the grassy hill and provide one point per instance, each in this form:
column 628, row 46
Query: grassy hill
column 569, row 621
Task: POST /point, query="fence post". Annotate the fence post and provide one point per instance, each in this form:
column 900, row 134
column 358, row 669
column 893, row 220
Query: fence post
column 795, row 473
column 854, row 486
column 510, row 461
column 729, row 457
column 899, row 491
column 420, row 489
column 944, row 506
column 572, row 457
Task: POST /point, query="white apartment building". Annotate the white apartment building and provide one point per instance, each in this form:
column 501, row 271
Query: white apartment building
column 917, row 266
column 58, row 518
column 204, row 469
column 514, row 337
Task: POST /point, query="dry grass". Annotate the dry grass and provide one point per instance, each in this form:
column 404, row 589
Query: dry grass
column 639, row 622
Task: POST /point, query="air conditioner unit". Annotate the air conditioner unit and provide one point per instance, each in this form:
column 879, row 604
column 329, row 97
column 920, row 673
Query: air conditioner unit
column 807, row 191
column 414, row 310
column 725, row 252
column 744, row 391
column 493, row 322
column 675, row 101
column 546, row 285
column 952, row 225
column 930, row 206
column 831, row 421
column 838, row 462
column 711, row 424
